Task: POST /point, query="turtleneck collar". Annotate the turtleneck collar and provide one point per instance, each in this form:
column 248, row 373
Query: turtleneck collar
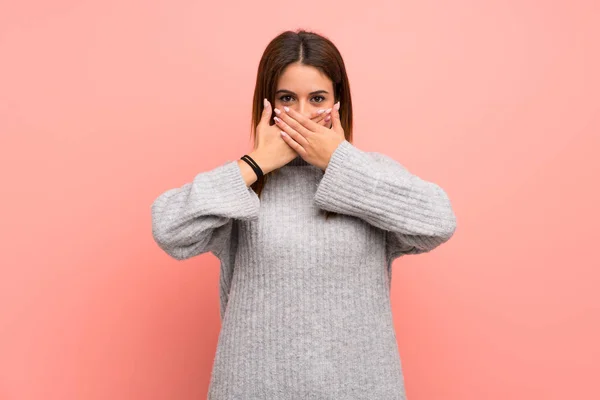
column 298, row 162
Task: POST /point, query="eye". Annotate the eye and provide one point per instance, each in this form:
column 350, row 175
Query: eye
column 284, row 97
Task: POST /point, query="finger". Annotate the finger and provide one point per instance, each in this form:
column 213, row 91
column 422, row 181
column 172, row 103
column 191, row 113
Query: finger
column 320, row 115
column 336, row 124
column 266, row 113
column 301, row 124
column 328, row 121
column 292, row 143
column 317, row 117
column 300, row 139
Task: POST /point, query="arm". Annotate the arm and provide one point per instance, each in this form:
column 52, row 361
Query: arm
column 197, row 217
column 416, row 215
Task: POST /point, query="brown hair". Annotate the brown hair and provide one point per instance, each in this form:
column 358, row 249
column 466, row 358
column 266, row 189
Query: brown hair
column 307, row 48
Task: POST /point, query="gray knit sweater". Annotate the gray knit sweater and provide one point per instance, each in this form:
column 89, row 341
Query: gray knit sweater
column 305, row 301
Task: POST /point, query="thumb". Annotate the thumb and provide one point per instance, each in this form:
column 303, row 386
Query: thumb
column 266, row 114
column 336, row 124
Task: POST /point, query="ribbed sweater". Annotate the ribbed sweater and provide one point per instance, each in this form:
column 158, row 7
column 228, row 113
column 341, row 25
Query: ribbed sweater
column 304, row 301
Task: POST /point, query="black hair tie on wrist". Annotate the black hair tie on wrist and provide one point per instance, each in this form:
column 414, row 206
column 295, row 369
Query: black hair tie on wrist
column 253, row 165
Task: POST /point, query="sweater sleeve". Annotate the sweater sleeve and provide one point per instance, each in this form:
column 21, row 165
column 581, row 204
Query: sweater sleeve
column 416, row 215
column 198, row 217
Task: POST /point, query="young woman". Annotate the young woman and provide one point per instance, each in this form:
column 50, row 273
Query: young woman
column 306, row 229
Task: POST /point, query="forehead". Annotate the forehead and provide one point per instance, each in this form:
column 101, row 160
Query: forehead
column 303, row 79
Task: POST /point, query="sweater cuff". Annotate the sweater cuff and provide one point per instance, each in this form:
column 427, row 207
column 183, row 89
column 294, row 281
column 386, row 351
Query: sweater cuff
column 233, row 198
column 348, row 175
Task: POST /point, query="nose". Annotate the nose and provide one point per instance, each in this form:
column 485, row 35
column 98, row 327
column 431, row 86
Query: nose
column 304, row 108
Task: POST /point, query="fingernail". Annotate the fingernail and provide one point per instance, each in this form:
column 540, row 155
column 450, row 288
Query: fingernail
column 287, row 109
column 328, row 110
column 321, row 111
column 277, row 111
column 328, row 118
column 337, row 106
column 266, row 103
column 276, row 119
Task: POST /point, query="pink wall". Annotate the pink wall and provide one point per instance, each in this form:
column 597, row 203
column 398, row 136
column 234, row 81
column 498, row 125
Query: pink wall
column 104, row 105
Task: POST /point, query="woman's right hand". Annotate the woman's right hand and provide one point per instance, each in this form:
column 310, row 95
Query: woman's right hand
column 273, row 150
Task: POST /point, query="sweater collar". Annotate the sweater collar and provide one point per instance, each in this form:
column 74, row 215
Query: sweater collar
column 298, row 162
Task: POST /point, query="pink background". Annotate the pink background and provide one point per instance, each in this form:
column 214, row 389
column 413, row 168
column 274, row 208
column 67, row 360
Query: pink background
column 106, row 104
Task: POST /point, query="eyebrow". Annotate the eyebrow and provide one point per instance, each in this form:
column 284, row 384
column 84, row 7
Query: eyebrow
column 311, row 93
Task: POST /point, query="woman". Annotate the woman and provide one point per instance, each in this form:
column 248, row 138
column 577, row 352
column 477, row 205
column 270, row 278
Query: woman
column 306, row 230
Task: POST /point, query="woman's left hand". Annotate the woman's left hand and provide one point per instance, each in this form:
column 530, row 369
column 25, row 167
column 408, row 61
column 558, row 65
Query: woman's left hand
column 312, row 141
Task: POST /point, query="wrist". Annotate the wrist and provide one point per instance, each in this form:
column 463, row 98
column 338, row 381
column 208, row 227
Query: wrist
column 263, row 161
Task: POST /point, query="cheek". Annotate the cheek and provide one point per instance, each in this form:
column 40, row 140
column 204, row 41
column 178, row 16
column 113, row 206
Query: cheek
column 278, row 104
column 325, row 105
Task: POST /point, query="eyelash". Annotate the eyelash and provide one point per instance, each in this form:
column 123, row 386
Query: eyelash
column 287, row 95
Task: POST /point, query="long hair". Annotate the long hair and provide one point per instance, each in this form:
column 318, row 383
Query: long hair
column 307, row 48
